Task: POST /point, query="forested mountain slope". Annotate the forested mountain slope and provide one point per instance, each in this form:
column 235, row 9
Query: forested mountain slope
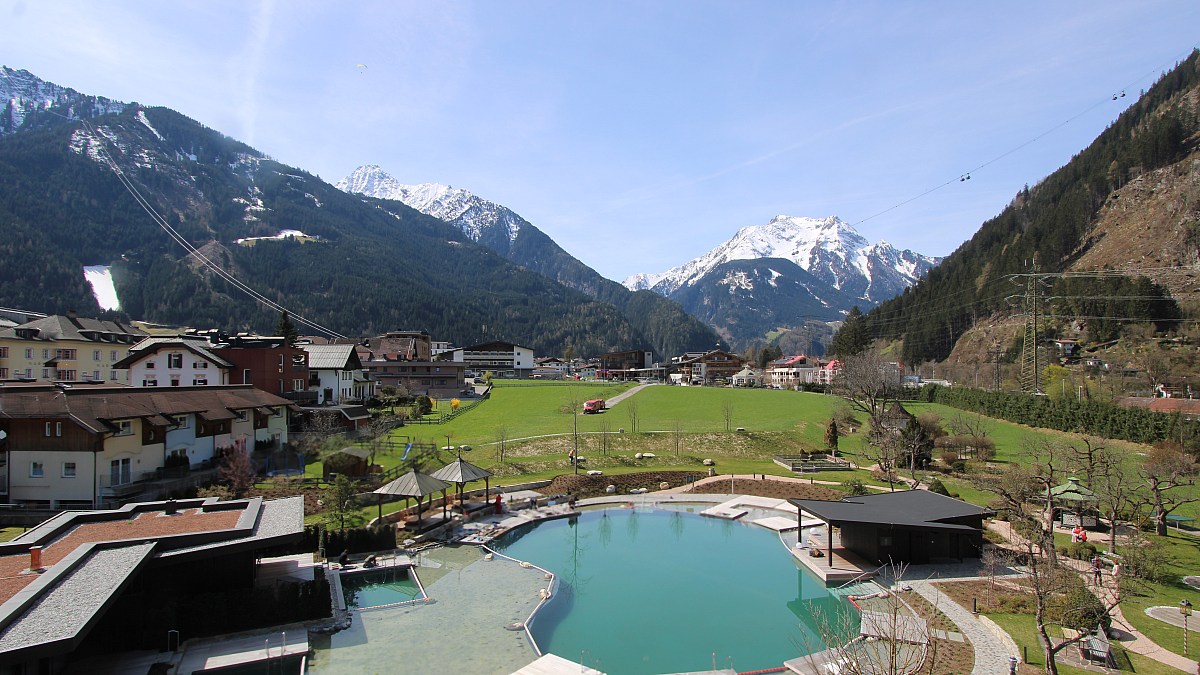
column 1058, row 222
column 361, row 270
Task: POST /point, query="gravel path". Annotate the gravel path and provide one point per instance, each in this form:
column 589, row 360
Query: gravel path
column 991, row 654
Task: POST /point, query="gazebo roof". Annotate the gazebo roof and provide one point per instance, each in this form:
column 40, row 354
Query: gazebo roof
column 413, row 484
column 461, row 471
column 1072, row 491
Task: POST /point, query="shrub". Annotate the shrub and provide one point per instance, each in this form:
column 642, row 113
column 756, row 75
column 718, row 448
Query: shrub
column 856, row 487
column 1081, row 550
column 937, row 487
column 949, row 457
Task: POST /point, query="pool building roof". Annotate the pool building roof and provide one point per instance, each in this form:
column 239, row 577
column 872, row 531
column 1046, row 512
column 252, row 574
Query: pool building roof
column 60, row 578
column 915, row 509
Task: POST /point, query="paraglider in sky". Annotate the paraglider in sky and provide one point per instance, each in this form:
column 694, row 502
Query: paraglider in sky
column 362, row 68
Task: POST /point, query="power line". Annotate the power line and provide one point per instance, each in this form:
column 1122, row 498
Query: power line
column 182, row 241
column 966, row 175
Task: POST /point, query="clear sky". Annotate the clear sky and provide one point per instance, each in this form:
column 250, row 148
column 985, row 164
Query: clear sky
column 640, row 134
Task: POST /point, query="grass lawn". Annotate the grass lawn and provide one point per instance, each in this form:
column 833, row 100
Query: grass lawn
column 9, row 533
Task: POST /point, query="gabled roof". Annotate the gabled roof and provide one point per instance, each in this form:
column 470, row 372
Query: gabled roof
column 332, row 357
column 920, row 509
column 60, row 327
column 94, row 407
column 152, row 345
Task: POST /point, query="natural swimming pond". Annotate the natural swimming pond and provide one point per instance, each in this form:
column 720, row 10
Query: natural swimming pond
column 662, row 591
column 379, row 587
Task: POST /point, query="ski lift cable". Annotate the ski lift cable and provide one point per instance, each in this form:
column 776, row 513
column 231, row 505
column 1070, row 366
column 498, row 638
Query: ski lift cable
column 179, row 239
column 966, row 175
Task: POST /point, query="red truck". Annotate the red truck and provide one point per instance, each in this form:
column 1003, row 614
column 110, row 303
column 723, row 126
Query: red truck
column 593, row 406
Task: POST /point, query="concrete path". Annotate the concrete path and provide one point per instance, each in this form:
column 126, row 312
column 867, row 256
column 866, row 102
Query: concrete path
column 991, row 653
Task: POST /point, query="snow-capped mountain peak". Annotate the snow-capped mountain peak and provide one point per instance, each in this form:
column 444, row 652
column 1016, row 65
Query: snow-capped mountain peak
column 478, row 218
column 23, row 96
column 828, row 248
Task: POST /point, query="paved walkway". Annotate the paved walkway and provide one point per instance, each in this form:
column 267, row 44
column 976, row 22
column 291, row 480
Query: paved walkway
column 1136, row 642
column 992, row 652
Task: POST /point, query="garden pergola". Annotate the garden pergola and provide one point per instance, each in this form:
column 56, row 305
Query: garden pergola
column 413, row 484
column 460, row 472
column 1073, row 497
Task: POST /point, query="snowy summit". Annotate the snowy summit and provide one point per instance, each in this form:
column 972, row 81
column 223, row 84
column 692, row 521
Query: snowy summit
column 478, row 218
column 828, row 248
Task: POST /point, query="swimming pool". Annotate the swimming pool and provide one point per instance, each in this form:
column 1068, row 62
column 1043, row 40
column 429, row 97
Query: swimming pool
column 660, row 591
column 379, row 587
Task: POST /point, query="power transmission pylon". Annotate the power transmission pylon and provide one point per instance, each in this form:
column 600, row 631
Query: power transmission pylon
column 1031, row 373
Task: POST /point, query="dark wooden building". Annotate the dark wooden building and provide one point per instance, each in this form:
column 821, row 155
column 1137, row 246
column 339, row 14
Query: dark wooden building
column 911, row 526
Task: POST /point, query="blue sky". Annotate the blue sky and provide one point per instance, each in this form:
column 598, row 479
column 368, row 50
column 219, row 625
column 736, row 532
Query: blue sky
column 639, row 134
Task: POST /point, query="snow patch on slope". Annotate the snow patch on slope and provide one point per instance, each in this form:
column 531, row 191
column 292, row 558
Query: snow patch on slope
column 141, row 116
column 101, row 281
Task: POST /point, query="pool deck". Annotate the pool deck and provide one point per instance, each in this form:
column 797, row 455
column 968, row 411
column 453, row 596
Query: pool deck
column 840, row 567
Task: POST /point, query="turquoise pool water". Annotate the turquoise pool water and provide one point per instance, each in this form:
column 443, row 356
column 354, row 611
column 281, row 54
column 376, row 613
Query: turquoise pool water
column 657, row 591
column 378, row 587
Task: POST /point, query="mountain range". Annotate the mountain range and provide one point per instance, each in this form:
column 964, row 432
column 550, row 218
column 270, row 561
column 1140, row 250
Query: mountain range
column 763, row 279
column 792, row 269
column 92, row 182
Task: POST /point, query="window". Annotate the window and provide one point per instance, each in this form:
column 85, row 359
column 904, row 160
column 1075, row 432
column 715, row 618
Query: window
column 96, row 355
column 53, row 429
column 174, row 380
column 112, row 374
column 45, row 353
column 149, row 383
column 68, row 375
column 297, row 385
column 3, row 352
column 37, row 470
column 246, row 376
column 28, row 353
column 68, row 470
column 182, row 421
column 119, row 472
column 240, row 414
column 113, row 356
column 3, row 373
column 95, row 375
column 124, row 428
column 276, row 412
column 175, row 361
column 200, row 365
column 65, row 354
column 200, row 381
column 150, row 364
column 45, row 373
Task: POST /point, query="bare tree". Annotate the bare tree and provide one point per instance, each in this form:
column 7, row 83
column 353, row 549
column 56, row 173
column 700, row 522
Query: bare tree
column 677, row 435
column 1166, row 469
column 889, row 640
column 237, row 470
column 868, row 382
column 501, row 440
column 1117, row 490
column 631, row 409
column 605, row 428
column 727, row 412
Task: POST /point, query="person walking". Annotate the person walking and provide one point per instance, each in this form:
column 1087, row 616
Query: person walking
column 1098, row 570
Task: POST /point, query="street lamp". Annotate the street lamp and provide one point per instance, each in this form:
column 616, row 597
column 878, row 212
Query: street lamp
column 1185, row 608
